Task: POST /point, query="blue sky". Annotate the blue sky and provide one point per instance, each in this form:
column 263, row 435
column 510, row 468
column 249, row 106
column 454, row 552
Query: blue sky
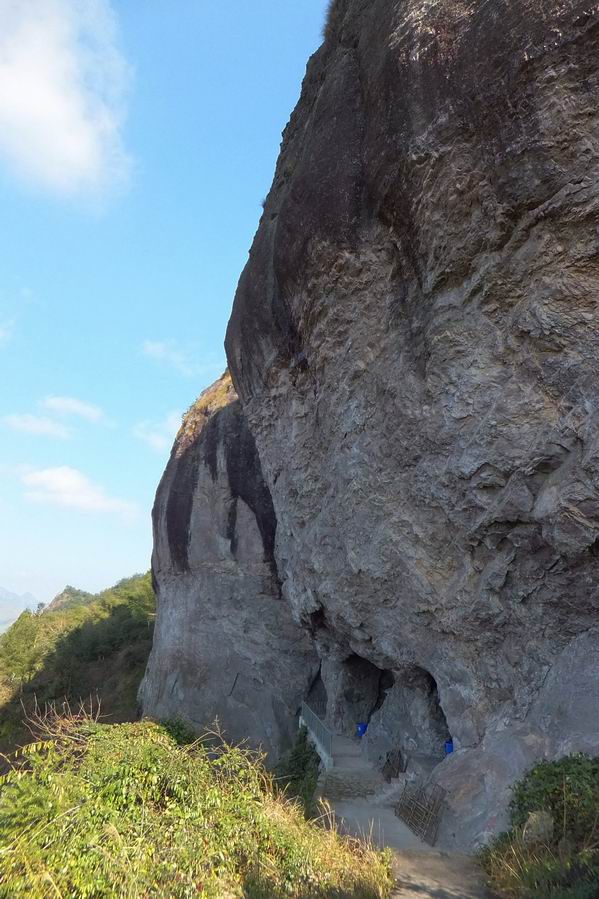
column 137, row 141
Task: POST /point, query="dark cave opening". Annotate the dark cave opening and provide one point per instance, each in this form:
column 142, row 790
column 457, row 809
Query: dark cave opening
column 424, row 684
column 356, row 689
column 401, row 707
column 409, row 728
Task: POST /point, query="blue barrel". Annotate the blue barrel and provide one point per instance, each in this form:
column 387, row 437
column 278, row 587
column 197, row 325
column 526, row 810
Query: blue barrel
column 361, row 729
column 448, row 747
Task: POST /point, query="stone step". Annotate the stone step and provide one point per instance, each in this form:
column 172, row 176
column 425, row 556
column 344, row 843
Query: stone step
column 349, row 751
column 351, row 763
column 357, row 783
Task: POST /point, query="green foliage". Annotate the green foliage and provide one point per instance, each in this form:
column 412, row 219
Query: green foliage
column 180, row 731
column 297, row 772
column 97, row 646
column 97, row 810
column 567, row 866
column 568, row 789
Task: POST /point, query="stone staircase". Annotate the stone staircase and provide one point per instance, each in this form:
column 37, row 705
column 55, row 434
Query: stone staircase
column 352, row 776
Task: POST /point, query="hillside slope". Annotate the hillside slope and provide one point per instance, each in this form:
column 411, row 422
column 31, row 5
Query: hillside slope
column 95, row 649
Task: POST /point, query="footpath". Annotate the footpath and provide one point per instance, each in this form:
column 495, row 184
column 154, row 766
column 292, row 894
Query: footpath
column 363, row 803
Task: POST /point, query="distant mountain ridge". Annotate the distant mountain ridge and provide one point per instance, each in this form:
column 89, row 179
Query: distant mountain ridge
column 12, row 604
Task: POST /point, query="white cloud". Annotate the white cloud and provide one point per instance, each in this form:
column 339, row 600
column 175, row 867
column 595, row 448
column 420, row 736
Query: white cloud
column 69, row 487
column 68, row 405
column 63, row 83
column 159, row 435
column 39, row 425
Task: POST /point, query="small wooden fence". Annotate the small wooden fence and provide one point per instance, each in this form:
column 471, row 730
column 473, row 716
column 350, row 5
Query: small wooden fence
column 420, row 808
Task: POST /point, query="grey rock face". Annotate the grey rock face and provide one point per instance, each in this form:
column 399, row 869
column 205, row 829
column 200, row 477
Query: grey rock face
column 415, row 342
column 225, row 645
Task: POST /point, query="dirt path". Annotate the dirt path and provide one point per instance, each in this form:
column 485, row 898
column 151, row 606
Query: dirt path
column 421, row 872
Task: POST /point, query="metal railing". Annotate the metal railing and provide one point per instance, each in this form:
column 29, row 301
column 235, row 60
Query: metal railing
column 318, row 729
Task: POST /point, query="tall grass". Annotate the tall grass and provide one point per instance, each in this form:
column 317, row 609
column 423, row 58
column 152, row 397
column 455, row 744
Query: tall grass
column 92, row 810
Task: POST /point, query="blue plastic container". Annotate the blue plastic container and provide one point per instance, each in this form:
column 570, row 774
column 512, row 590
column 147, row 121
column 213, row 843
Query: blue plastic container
column 361, row 729
column 448, row 747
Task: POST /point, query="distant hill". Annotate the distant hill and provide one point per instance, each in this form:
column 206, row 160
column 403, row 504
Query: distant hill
column 68, row 597
column 81, row 645
column 11, row 606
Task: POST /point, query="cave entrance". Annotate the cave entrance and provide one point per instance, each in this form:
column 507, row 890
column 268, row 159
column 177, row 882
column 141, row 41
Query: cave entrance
column 356, row 689
column 409, row 730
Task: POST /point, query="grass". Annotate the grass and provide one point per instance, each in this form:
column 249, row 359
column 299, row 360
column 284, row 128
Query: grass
column 93, row 810
column 565, row 865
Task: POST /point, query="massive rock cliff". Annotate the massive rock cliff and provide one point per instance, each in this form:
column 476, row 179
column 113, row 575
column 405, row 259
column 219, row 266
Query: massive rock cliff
column 225, row 645
column 415, row 344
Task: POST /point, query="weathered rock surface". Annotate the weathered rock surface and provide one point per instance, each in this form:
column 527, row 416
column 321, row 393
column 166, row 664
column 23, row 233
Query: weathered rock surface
column 415, row 342
column 225, row 645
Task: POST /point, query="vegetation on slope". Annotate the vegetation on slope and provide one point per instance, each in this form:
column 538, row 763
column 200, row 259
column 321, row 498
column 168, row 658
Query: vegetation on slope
column 123, row 810
column 562, row 862
column 70, row 596
column 215, row 397
column 297, row 773
column 94, row 648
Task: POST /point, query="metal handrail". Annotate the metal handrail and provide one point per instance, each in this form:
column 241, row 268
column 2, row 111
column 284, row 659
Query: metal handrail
column 318, row 729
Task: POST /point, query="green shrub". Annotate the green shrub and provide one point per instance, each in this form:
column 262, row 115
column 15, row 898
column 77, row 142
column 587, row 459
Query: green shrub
column 567, row 865
column 95, row 810
column 568, row 789
column 180, row 731
column 297, row 773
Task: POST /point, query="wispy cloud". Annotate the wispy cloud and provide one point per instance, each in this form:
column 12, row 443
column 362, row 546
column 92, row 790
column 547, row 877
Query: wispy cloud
column 51, row 423
column 6, row 331
column 188, row 360
column 68, row 405
column 170, row 353
column 159, row 435
column 63, row 86
column 69, row 487
column 38, row 425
